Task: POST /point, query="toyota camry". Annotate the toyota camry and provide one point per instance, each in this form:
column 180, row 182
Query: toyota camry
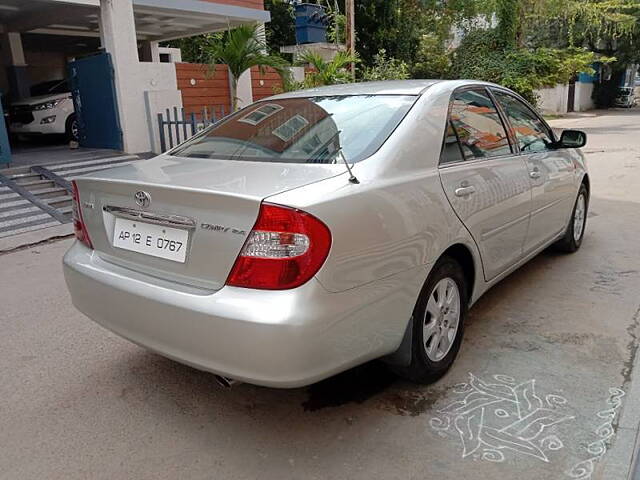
column 317, row 230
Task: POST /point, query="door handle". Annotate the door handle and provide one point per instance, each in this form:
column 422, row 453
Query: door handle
column 465, row 191
column 535, row 173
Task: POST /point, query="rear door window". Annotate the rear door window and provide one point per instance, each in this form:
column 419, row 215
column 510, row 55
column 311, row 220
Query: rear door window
column 478, row 125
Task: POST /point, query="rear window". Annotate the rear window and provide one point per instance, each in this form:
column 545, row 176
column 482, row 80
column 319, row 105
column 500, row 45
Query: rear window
column 302, row 130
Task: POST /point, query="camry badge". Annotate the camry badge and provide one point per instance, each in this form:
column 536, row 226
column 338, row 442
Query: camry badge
column 143, row 199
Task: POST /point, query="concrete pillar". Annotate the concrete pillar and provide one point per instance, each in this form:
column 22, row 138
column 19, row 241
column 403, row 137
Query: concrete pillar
column 17, row 75
column 118, row 36
column 150, row 52
column 261, row 36
column 15, row 50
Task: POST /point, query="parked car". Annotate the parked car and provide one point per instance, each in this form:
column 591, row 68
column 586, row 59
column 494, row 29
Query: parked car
column 49, row 110
column 316, row 230
column 626, row 97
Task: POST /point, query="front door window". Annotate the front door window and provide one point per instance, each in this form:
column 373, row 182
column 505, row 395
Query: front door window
column 531, row 134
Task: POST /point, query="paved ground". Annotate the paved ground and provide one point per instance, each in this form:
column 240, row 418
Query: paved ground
column 544, row 386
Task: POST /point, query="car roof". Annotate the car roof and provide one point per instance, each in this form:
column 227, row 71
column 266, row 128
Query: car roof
column 389, row 87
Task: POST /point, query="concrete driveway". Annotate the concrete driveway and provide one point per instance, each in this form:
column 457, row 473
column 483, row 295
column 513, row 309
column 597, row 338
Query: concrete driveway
column 544, row 387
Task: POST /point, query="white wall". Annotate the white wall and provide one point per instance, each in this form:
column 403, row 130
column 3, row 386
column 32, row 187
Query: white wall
column 160, row 86
column 175, row 54
column 583, row 99
column 553, row 100
column 157, row 102
column 297, row 73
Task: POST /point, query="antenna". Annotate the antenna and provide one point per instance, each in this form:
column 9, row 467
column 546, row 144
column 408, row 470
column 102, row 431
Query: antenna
column 352, row 177
column 340, row 153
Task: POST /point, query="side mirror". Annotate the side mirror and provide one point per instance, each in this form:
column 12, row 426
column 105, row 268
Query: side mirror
column 572, row 139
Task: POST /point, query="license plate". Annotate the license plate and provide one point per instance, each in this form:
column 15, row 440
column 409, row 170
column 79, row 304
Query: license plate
column 149, row 239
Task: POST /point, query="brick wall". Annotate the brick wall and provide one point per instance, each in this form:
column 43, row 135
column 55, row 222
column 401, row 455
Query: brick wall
column 259, row 4
column 263, row 84
column 201, row 89
column 208, row 91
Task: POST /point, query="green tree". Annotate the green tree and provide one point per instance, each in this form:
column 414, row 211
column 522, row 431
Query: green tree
column 391, row 25
column 482, row 56
column 608, row 28
column 611, row 28
column 432, row 58
column 281, row 30
column 240, row 50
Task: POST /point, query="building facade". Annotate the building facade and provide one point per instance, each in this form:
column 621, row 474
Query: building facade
column 42, row 38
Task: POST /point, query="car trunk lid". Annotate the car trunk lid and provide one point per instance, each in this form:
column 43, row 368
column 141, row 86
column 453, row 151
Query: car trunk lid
column 216, row 202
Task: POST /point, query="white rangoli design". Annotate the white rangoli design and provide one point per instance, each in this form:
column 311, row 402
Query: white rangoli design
column 491, row 418
column 605, row 432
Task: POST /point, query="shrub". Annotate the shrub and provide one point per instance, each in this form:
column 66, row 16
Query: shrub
column 385, row 68
column 432, row 59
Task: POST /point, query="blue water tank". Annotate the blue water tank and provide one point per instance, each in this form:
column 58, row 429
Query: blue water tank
column 311, row 23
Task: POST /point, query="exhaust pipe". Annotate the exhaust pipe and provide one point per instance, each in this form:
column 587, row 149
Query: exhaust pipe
column 226, row 382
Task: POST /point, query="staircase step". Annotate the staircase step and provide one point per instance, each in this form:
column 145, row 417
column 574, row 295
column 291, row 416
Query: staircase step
column 42, row 193
column 23, row 202
column 30, row 226
column 36, row 184
column 18, row 214
column 28, row 213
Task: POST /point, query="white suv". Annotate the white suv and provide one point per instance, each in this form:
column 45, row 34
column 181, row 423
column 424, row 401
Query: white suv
column 49, row 111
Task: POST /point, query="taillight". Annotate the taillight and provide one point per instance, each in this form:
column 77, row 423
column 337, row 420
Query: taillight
column 284, row 250
column 79, row 228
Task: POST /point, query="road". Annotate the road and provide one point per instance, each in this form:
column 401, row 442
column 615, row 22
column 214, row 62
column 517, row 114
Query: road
column 545, row 351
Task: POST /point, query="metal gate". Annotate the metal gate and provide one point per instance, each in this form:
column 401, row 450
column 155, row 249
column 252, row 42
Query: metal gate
column 95, row 102
column 186, row 126
column 5, row 149
column 571, row 100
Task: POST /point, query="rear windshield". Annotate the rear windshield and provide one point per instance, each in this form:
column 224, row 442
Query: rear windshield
column 302, row 130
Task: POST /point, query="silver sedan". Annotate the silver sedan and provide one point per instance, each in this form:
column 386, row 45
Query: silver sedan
column 316, row 230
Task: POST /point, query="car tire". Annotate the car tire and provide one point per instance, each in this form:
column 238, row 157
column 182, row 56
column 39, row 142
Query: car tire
column 574, row 234
column 71, row 128
column 435, row 341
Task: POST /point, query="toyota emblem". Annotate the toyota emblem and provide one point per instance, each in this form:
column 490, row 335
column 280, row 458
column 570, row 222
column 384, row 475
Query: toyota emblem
column 143, row 199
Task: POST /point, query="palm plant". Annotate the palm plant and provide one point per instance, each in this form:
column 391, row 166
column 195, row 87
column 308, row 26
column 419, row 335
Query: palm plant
column 327, row 72
column 240, row 50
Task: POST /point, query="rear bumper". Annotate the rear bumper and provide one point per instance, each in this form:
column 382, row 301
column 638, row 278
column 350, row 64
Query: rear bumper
column 279, row 339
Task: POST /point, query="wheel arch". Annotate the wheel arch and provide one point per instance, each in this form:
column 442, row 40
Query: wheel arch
column 464, row 256
column 587, row 183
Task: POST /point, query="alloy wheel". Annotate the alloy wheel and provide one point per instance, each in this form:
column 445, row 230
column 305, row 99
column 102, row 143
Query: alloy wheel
column 74, row 129
column 441, row 320
column 579, row 217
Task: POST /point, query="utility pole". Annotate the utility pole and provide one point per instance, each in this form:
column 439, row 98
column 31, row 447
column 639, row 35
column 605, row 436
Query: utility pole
column 351, row 32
